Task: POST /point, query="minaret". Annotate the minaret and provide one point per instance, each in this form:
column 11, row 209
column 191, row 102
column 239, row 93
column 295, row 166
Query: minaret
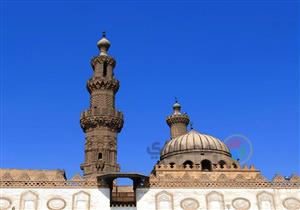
column 177, row 121
column 101, row 122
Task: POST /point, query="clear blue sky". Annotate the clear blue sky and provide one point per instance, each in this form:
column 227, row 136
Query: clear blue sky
column 234, row 66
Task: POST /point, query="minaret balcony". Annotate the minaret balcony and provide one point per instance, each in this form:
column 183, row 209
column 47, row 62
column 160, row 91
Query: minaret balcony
column 110, row 118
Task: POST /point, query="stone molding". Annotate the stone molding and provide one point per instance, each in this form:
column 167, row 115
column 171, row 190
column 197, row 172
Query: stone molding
column 5, row 203
column 101, row 59
column 241, row 203
column 189, row 204
column 93, row 118
column 51, row 203
column 167, row 176
column 94, row 84
column 182, row 118
column 291, row 203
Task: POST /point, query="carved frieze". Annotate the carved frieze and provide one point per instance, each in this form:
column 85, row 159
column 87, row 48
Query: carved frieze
column 100, row 84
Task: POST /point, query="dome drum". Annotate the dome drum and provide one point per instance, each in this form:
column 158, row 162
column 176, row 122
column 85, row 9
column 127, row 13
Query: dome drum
column 197, row 159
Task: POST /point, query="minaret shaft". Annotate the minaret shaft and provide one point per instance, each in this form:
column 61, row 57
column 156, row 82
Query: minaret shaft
column 101, row 122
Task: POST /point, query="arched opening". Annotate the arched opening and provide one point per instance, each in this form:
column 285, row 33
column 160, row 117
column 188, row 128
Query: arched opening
column 122, row 191
column 206, row 165
column 188, row 163
column 172, row 164
column 234, row 165
column 122, row 187
column 104, row 69
column 222, row 163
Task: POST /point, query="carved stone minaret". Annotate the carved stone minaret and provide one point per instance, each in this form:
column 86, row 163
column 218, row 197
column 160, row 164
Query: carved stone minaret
column 177, row 121
column 101, row 122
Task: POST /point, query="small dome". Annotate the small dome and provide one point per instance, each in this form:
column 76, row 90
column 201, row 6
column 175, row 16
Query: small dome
column 103, row 44
column 194, row 141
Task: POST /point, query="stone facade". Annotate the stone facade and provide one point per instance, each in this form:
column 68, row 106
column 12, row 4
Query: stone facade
column 195, row 171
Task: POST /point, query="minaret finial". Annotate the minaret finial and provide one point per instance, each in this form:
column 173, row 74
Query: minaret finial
column 176, row 107
column 103, row 44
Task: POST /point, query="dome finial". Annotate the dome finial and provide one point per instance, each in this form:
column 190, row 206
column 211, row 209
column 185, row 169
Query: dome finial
column 103, row 44
column 191, row 125
column 176, row 106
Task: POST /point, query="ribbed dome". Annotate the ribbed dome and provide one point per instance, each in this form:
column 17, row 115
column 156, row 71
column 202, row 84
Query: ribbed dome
column 194, row 141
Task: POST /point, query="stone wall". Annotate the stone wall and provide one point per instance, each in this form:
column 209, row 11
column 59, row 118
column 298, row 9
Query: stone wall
column 227, row 199
column 151, row 199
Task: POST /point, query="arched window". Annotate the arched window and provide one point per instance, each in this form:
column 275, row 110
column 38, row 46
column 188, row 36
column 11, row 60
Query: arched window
column 206, row 165
column 222, row 163
column 104, row 69
column 265, row 201
column 215, row 201
column 188, row 162
column 164, row 201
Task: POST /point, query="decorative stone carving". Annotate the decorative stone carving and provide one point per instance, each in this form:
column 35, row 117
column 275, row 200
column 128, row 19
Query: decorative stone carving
column 95, row 84
column 29, row 199
column 291, row 203
column 101, row 59
column 265, row 201
column 81, row 200
column 215, row 200
column 241, row 204
column 189, row 204
column 5, row 203
column 164, row 201
column 56, row 204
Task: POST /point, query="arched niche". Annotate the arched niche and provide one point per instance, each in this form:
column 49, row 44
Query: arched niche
column 81, row 201
column 265, row 201
column 164, row 201
column 215, row 200
column 29, row 201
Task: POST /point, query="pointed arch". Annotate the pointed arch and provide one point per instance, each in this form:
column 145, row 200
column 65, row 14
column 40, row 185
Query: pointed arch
column 265, row 201
column 206, row 165
column 29, row 201
column 164, row 201
column 81, row 201
column 215, row 200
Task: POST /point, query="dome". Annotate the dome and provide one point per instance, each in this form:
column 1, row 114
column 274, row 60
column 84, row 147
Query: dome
column 194, row 142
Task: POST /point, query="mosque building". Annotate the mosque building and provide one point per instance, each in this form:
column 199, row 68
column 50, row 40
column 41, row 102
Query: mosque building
column 195, row 171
